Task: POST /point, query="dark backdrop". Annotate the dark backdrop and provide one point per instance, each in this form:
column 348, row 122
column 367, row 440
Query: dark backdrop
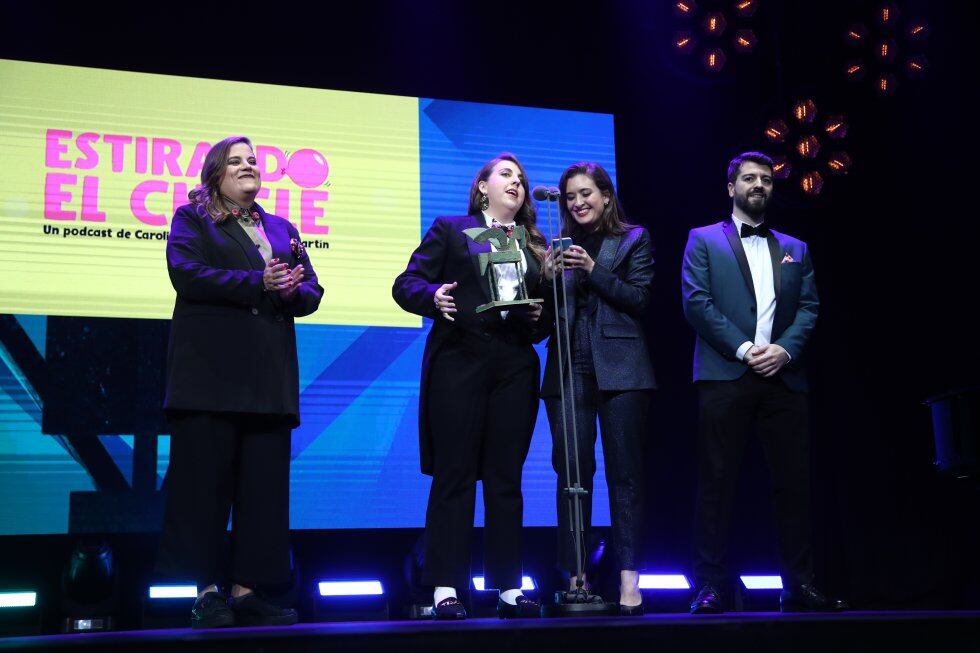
column 892, row 241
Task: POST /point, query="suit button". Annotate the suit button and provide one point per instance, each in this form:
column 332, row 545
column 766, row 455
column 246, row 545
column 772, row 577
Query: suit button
column 752, row 309
column 279, row 318
column 255, row 311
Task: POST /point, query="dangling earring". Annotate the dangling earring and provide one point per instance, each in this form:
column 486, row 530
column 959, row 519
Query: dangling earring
column 484, row 202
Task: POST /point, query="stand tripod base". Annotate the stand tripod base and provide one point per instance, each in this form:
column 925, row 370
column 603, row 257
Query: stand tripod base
column 578, row 603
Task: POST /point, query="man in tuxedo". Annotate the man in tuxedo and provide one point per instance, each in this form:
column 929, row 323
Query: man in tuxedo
column 749, row 292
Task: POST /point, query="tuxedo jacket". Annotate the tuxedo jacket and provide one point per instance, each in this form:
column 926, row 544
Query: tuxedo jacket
column 719, row 301
column 445, row 255
column 232, row 345
column 619, row 287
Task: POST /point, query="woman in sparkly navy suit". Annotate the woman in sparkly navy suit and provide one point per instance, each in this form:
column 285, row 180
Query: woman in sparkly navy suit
column 609, row 270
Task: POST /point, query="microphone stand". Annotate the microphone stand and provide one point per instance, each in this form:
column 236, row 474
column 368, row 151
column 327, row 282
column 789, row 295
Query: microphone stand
column 578, row 601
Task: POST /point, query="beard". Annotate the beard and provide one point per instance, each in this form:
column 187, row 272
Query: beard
column 756, row 210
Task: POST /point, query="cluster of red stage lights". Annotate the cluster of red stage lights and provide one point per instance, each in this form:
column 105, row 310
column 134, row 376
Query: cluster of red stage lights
column 707, row 34
column 809, row 143
column 887, row 51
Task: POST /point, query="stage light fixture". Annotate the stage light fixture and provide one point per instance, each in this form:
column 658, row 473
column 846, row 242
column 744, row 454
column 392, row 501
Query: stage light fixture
column 350, row 588
column 18, row 599
column 745, row 40
column 685, row 7
column 812, row 183
column 166, row 605
column 856, row 34
column 714, row 60
column 781, row 168
column 746, row 8
column 90, row 588
column 917, row 65
column 172, row 592
column 684, row 42
column 347, row 600
column 836, row 127
column 715, row 23
column 917, row 31
column 839, row 163
column 808, row 147
column 886, row 50
column 776, row 131
column 887, row 14
column 19, row 612
column 805, row 111
column 527, row 584
column 762, row 582
column 855, row 70
column 886, row 85
column 664, row 582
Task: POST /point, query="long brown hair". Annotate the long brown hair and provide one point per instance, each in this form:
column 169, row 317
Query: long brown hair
column 613, row 220
column 526, row 215
column 208, row 194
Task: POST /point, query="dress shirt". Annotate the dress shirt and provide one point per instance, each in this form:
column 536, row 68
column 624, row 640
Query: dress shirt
column 760, row 265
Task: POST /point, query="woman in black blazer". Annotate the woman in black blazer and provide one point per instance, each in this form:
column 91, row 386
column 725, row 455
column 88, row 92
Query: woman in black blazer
column 241, row 276
column 478, row 394
column 609, row 270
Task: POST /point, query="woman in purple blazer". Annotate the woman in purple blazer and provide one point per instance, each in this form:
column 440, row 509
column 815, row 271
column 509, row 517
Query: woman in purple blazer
column 232, row 393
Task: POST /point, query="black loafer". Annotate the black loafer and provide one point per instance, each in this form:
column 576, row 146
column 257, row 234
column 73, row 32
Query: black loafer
column 708, row 601
column 807, row 598
column 212, row 611
column 252, row 610
column 449, row 608
column 524, row 608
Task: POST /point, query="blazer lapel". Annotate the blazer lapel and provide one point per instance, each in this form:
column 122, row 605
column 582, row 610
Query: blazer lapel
column 233, row 229
column 608, row 252
column 475, row 249
column 775, row 255
column 743, row 262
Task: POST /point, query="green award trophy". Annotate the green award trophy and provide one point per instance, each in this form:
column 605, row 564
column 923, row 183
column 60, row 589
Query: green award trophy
column 508, row 253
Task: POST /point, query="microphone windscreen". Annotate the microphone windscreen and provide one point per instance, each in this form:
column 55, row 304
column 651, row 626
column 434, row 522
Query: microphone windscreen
column 540, row 193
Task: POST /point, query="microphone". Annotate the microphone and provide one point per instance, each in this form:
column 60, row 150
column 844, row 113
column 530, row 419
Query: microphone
column 553, row 193
column 541, row 193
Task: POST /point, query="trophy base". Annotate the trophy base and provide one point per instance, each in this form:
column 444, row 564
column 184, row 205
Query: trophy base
column 503, row 306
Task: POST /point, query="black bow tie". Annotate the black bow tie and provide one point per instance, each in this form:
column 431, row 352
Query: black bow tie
column 746, row 230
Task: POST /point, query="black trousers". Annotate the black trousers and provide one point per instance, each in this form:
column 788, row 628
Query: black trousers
column 622, row 417
column 482, row 404
column 221, row 464
column 728, row 411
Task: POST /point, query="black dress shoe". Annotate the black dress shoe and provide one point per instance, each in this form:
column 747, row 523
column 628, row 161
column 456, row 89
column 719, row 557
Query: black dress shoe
column 708, row 601
column 807, row 598
column 449, row 608
column 631, row 610
column 252, row 610
column 524, row 608
column 212, row 611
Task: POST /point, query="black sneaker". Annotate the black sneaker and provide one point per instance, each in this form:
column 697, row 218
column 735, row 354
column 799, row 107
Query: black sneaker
column 212, row 611
column 252, row 610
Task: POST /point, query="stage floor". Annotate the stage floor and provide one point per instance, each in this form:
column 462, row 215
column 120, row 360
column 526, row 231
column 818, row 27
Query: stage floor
column 838, row 633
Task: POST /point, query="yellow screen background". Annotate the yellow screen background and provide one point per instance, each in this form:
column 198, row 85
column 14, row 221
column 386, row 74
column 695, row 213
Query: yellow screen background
column 371, row 143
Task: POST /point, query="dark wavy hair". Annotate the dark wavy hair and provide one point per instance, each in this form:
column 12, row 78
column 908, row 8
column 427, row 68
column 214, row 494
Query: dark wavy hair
column 526, row 215
column 208, row 194
column 613, row 220
column 755, row 157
